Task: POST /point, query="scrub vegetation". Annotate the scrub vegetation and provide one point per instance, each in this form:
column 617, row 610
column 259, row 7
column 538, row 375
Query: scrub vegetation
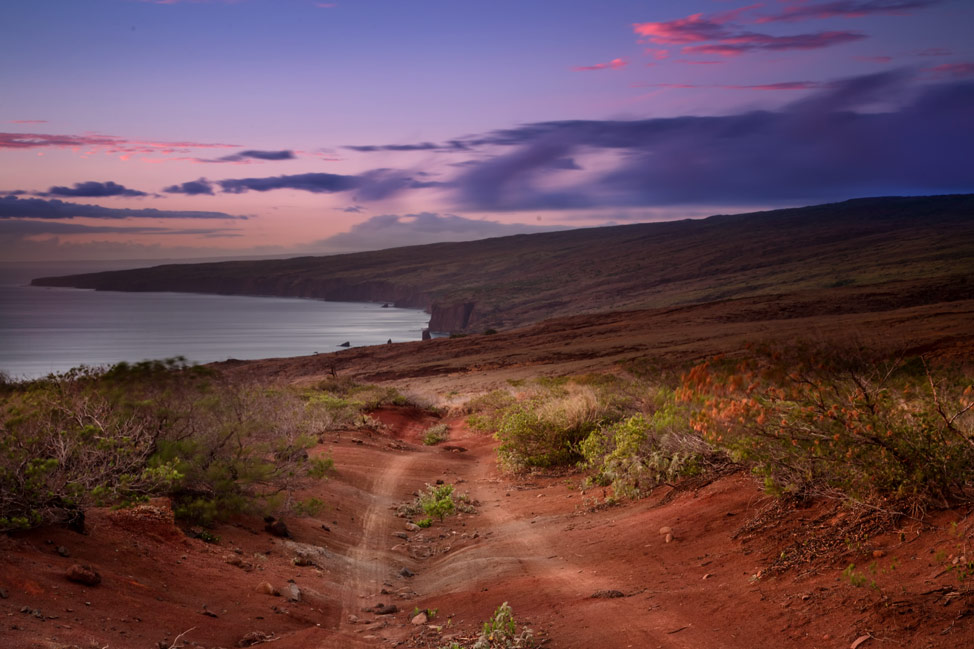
column 215, row 446
column 896, row 435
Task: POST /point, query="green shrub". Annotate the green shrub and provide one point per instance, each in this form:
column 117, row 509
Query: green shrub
column 435, row 434
column 488, row 409
column 639, row 453
column 436, row 500
column 820, row 422
column 116, row 436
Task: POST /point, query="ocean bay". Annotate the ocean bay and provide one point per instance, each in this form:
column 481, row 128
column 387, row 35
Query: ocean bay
column 44, row 330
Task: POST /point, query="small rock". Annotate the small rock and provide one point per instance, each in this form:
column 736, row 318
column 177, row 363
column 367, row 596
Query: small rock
column 83, row 574
column 353, row 619
column 385, row 609
column 406, row 572
column 668, row 538
column 325, row 527
column 878, row 554
column 208, row 613
column 254, row 637
column 413, row 527
column 303, row 560
column 663, row 531
column 607, row 594
column 63, row 551
column 439, row 481
column 293, row 593
column 266, row 588
column 276, row 527
column 420, row 619
column 403, row 535
column 4, row 594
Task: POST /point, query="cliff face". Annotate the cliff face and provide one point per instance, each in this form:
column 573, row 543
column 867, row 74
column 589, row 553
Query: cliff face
column 446, row 318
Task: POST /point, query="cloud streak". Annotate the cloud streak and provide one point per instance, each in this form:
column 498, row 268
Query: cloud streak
column 803, row 10
column 102, row 143
column 12, row 207
column 251, row 154
column 376, row 184
column 93, row 189
column 614, row 64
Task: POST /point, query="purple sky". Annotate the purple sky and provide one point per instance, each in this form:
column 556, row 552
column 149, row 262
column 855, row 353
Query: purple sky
column 181, row 128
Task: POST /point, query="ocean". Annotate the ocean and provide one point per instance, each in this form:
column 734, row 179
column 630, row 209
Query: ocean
column 45, row 330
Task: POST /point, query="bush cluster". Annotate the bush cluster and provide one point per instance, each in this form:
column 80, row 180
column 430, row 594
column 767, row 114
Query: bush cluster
column 891, row 433
column 114, row 436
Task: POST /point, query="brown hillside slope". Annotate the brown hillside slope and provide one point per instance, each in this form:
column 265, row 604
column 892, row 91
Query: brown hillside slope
column 513, row 281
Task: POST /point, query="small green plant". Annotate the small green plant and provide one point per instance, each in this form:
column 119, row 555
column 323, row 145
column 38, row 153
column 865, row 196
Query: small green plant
column 437, row 501
column 435, row 434
column 500, row 632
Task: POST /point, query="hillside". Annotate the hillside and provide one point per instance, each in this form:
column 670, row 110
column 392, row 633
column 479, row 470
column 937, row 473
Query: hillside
column 867, row 245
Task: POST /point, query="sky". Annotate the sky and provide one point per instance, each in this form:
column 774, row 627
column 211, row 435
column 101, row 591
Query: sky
column 170, row 129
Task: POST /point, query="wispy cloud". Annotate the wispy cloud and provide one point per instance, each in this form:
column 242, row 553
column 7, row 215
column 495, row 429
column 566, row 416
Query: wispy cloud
column 28, row 227
column 251, row 154
column 798, row 10
column 27, row 121
column 376, row 184
column 451, row 145
column 12, row 207
column 93, row 189
column 614, row 64
column 96, row 142
column 953, row 71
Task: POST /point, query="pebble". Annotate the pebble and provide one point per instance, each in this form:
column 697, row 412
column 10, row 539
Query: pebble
column 420, row 619
column 266, row 588
column 663, row 531
column 293, row 593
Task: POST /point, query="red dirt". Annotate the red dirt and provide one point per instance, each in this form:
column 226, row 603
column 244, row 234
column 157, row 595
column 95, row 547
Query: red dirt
column 536, row 543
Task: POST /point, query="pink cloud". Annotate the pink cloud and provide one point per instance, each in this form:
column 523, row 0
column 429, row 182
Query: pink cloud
column 952, row 71
column 785, row 85
column 692, row 62
column 700, row 34
column 803, row 10
column 28, row 121
column 95, row 143
column 614, row 64
column 874, row 59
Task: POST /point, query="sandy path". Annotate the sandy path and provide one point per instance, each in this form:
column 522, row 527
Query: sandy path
column 370, row 562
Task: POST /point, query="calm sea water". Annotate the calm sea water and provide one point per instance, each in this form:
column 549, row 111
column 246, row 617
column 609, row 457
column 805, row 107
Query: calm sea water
column 44, row 330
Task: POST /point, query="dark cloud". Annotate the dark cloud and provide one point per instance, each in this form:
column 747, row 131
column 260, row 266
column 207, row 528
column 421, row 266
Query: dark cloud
column 252, row 154
column 12, row 207
column 871, row 135
column 447, row 147
column 354, row 209
column 19, row 227
column 376, row 184
column 846, row 9
column 750, row 41
column 393, row 230
column 93, row 189
column 317, row 183
column 191, row 188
